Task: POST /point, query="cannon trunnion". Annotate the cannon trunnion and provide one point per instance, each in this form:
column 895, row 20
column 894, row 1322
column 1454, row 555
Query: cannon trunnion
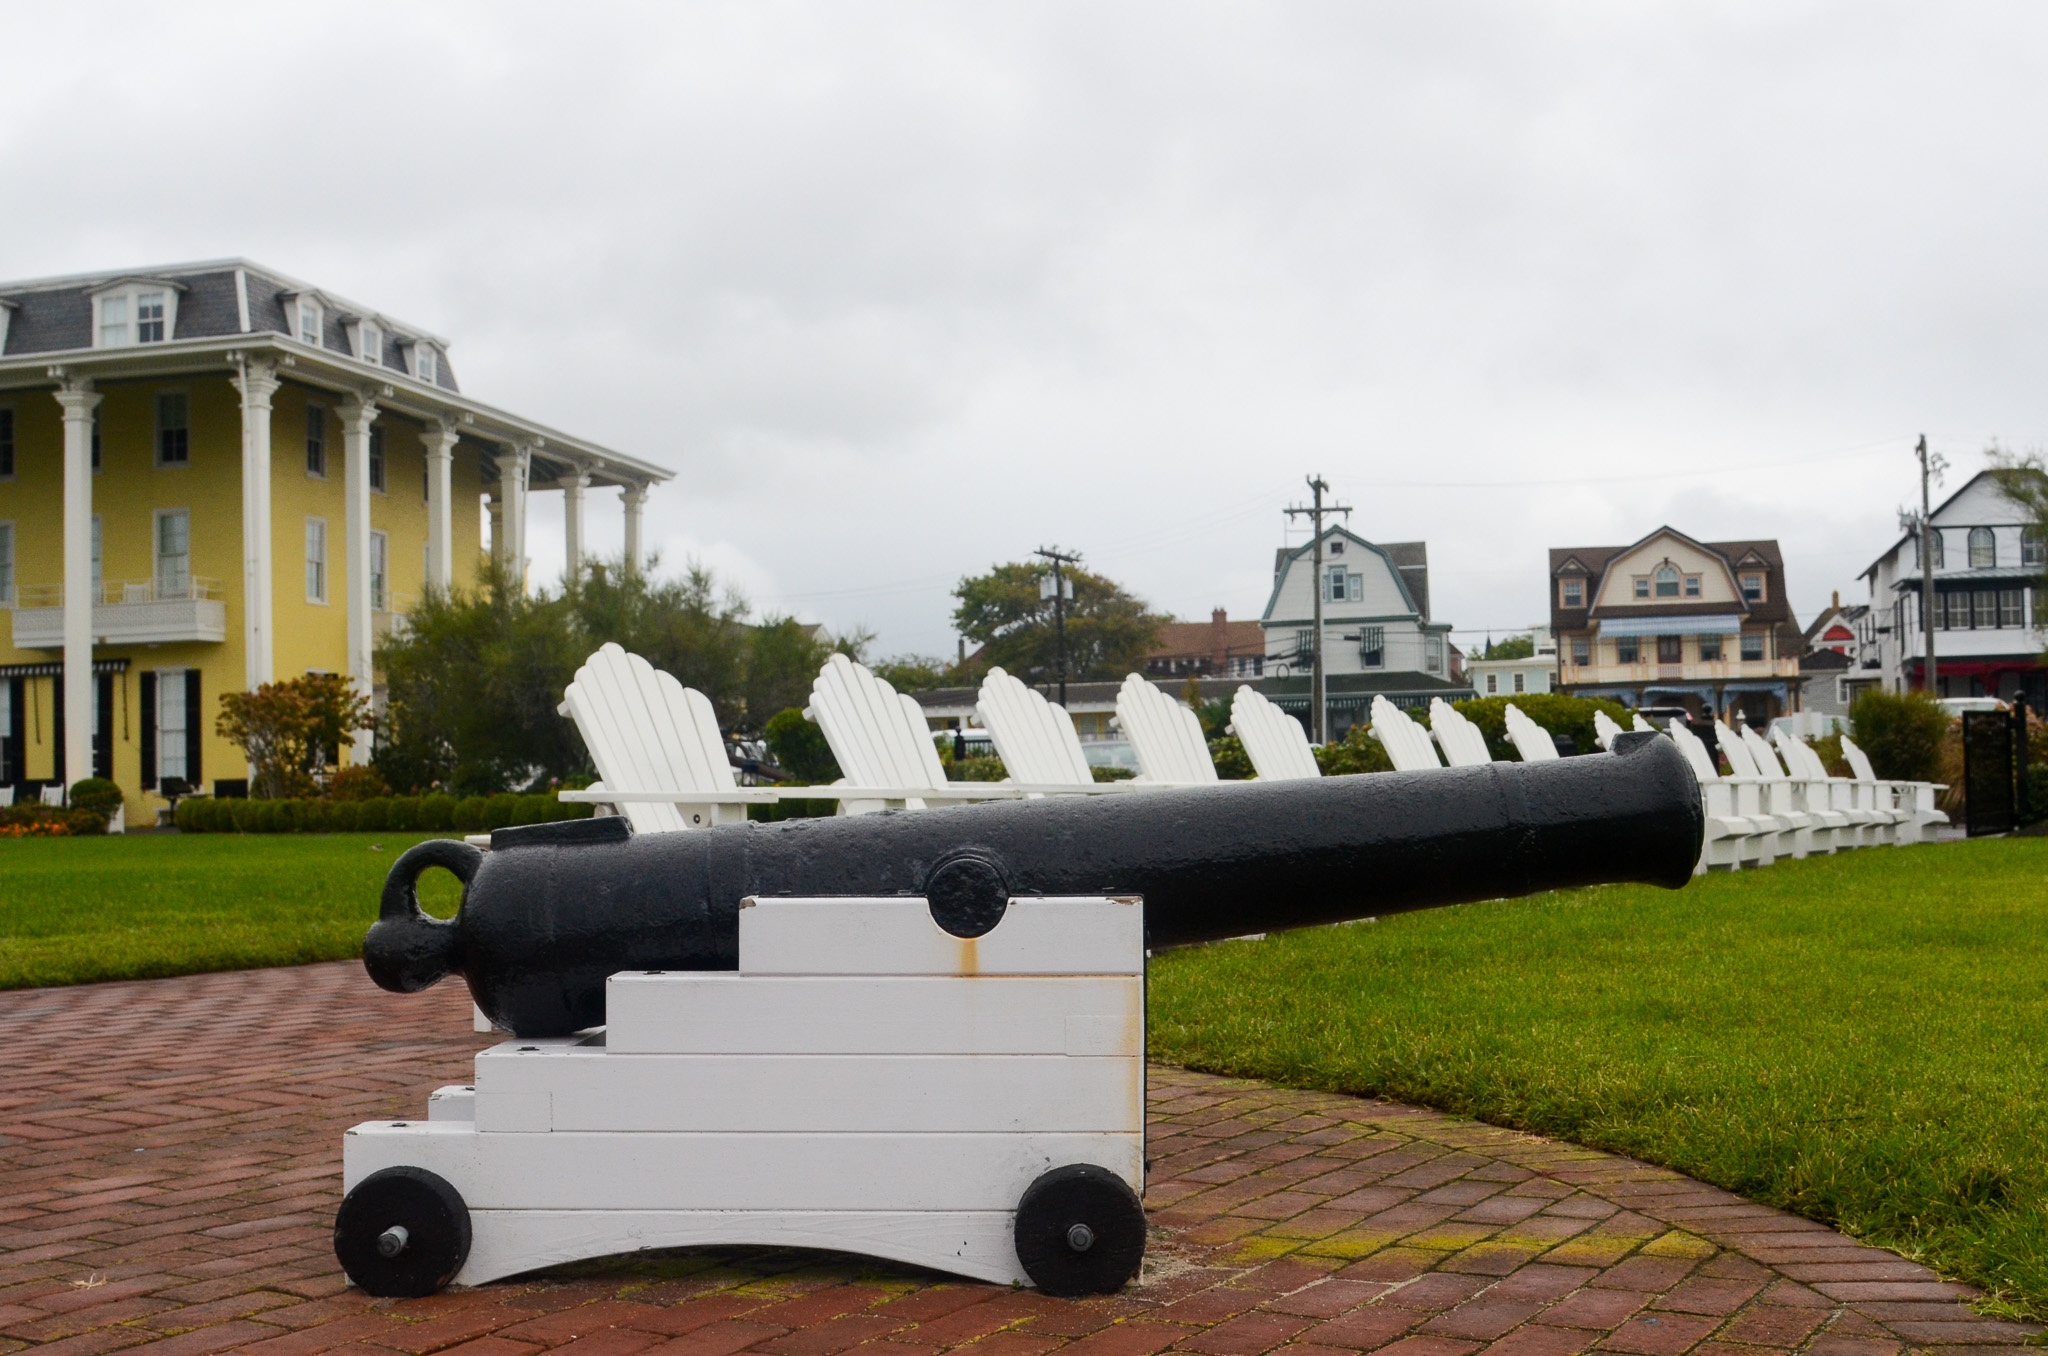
column 918, row 1036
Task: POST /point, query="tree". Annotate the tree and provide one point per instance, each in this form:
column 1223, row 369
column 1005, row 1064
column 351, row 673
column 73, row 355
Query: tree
column 1108, row 630
column 1902, row 733
column 920, row 673
column 1510, row 647
column 285, row 728
column 2024, row 481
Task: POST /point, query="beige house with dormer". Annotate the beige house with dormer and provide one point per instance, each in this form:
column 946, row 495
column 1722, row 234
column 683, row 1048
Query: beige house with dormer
column 1674, row 621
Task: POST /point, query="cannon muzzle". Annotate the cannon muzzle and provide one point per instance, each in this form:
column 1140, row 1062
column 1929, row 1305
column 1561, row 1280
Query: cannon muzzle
column 555, row 909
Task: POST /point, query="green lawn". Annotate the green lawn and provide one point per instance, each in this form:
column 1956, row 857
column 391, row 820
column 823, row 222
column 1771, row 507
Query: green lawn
column 1859, row 1039
column 73, row 910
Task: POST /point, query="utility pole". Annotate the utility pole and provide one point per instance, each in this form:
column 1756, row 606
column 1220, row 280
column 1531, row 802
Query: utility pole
column 1931, row 466
column 1318, row 715
column 1060, row 590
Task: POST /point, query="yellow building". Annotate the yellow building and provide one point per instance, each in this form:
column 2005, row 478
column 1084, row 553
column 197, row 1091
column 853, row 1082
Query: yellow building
column 213, row 476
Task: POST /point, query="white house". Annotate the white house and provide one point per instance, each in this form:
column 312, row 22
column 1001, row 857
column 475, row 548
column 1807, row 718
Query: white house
column 1378, row 637
column 1507, row 677
column 1987, row 564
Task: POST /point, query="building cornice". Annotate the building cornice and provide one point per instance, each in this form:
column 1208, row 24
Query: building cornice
column 339, row 373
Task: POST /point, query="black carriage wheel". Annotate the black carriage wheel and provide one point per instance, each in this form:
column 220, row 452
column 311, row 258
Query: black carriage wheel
column 1080, row 1231
column 402, row 1233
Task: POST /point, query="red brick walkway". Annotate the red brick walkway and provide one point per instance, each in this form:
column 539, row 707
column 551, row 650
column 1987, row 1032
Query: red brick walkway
column 170, row 1157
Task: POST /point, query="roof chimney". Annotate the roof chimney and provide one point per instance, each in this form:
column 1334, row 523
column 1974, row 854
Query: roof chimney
column 1838, row 600
column 1219, row 641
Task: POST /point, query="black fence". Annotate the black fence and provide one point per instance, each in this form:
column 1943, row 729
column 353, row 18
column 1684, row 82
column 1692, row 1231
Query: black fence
column 1995, row 771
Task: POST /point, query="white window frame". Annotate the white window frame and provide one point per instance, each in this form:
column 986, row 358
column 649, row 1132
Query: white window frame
column 2033, row 548
column 1743, row 646
column 1432, row 654
column 1763, row 585
column 370, row 342
column 1366, row 653
column 1492, row 684
column 426, row 364
column 380, row 572
column 1521, row 681
column 1988, row 539
column 170, row 691
column 128, row 297
column 304, row 309
column 157, row 557
column 1567, row 587
column 316, row 561
column 1667, row 573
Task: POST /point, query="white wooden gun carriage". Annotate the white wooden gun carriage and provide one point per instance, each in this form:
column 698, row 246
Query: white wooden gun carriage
column 865, row 1082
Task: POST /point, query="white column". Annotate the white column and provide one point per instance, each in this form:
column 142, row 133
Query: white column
column 497, row 513
column 257, row 382
column 635, row 499
column 440, row 439
column 514, row 465
column 357, row 414
column 573, row 485
column 79, row 400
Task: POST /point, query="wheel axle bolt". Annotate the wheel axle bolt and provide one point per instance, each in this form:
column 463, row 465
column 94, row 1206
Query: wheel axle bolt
column 1080, row 1238
column 392, row 1241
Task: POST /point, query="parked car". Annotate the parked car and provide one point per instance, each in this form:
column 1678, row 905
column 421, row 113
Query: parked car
column 1955, row 706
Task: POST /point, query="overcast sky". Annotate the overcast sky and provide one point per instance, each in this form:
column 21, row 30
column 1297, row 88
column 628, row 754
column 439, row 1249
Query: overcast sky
column 900, row 291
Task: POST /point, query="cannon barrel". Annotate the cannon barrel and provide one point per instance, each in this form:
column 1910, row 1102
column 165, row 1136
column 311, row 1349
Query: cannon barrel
column 553, row 910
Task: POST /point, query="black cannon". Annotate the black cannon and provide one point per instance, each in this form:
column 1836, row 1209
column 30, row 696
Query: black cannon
column 553, row 910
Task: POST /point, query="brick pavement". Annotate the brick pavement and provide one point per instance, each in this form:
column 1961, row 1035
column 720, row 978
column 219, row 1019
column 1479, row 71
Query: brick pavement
column 170, row 1157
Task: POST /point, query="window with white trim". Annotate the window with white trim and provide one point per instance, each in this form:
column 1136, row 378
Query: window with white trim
column 1642, row 582
column 173, row 430
column 2033, row 547
column 1492, row 684
column 149, row 317
column 1341, row 587
column 1983, row 549
column 380, row 572
column 316, row 560
column 173, row 553
column 1667, row 581
column 1520, row 680
column 370, row 344
column 1582, row 650
column 1692, row 586
column 1752, row 586
column 6, row 564
column 1433, row 654
column 425, row 366
column 114, row 330
column 1752, row 646
column 309, row 322
column 1572, row 592
column 171, row 724
column 141, row 314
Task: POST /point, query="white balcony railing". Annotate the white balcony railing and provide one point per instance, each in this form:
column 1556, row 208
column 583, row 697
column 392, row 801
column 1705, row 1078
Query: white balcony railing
column 126, row 612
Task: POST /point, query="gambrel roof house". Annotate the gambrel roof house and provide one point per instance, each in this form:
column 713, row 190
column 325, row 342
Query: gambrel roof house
column 1670, row 619
column 1378, row 636
column 213, row 475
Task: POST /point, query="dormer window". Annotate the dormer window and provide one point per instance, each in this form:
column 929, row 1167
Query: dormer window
column 309, row 323
column 370, row 344
column 1336, row 543
column 134, row 313
column 1572, row 593
column 424, row 364
column 1752, row 586
column 1667, row 581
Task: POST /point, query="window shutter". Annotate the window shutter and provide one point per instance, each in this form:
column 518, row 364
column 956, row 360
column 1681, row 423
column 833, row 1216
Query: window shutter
column 103, row 738
column 193, row 738
column 149, row 729
column 14, row 763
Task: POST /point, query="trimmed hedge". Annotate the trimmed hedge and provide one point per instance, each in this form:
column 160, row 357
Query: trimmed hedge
column 379, row 814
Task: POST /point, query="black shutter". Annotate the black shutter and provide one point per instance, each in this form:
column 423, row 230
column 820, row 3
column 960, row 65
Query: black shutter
column 57, row 730
column 149, row 729
column 15, row 754
column 103, row 742
column 194, row 732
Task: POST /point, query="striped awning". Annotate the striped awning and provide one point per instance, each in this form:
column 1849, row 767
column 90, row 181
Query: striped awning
column 1671, row 626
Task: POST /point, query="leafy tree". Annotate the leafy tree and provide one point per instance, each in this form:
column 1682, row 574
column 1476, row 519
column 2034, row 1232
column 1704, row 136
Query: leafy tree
column 920, row 673
column 285, row 727
column 1902, row 733
column 2024, row 481
column 1108, row 630
column 800, row 749
column 1510, row 647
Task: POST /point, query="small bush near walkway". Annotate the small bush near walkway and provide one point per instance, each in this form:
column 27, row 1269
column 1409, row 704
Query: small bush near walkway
column 378, row 814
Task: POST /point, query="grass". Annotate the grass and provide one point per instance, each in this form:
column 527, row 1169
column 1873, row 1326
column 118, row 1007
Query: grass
column 1857, row 1039
column 77, row 910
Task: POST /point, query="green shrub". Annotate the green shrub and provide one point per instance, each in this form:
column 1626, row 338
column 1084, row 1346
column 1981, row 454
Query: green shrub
column 469, row 815
column 211, row 814
column 246, row 814
column 499, row 809
column 1900, row 732
column 275, row 816
column 402, row 814
column 800, row 749
column 531, row 809
column 97, row 796
column 1112, row 774
column 373, row 815
column 437, row 814
column 341, row 815
column 188, row 815
column 1561, row 715
column 1233, row 764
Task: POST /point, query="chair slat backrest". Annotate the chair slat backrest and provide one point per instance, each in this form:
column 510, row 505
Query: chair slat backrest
column 878, row 736
column 1406, row 743
column 1695, row 751
column 1798, row 755
column 1639, row 725
column 1464, row 745
column 1531, row 740
column 1741, row 762
column 1604, row 730
column 1761, row 753
column 1272, row 739
column 1034, row 737
column 1859, row 761
column 647, row 732
column 1166, row 736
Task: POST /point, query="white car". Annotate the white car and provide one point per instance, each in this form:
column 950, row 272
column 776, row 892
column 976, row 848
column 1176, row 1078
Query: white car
column 1955, row 706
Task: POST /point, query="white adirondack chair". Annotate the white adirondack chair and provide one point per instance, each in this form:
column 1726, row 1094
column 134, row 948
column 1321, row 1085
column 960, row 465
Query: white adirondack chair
column 1531, row 740
column 1406, row 743
column 1641, row 726
column 1832, row 830
column 6, row 796
column 1272, row 739
column 1035, row 739
column 656, row 745
column 1869, row 824
column 1166, row 736
column 882, row 743
column 1915, row 799
column 1604, row 731
column 1463, row 743
column 1777, row 796
column 1732, row 839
